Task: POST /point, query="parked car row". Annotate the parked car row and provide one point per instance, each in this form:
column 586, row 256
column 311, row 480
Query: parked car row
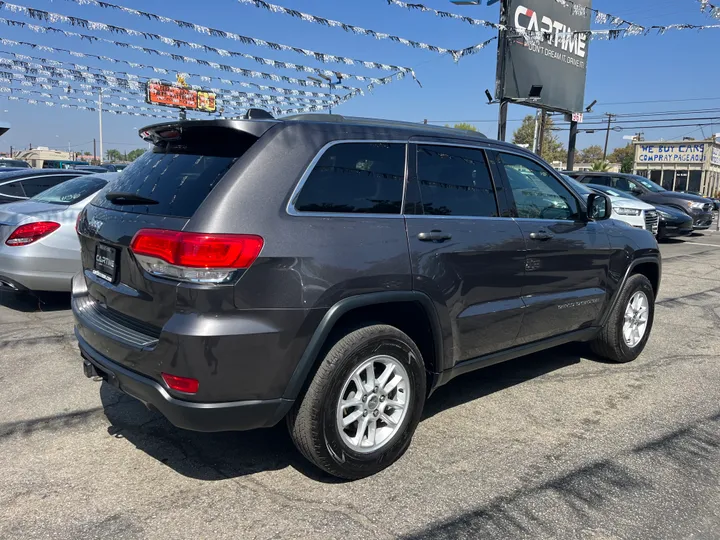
column 700, row 209
column 663, row 221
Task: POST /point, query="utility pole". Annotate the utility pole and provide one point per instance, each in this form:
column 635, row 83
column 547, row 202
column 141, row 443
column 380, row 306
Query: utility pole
column 11, row 151
column 537, row 131
column 607, row 135
column 100, row 123
column 94, row 153
column 541, row 137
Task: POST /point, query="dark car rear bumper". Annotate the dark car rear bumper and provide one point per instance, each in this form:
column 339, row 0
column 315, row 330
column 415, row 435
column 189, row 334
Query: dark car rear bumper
column 673, row 229
column 231, row 416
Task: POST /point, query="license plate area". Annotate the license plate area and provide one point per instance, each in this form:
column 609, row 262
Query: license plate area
column 106, row 262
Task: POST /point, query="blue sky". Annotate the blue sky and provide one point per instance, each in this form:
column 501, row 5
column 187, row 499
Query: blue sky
column 680, row 65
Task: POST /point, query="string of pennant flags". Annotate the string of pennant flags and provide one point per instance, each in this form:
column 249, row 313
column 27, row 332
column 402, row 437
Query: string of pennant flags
column 714, row 10
column 52, row 17
column 123, row 109
column 204, row 78
column 457, row 54
column 132, row 81
column 62, row 77
column 64, row 98
column 180, row 58
column 628, row 28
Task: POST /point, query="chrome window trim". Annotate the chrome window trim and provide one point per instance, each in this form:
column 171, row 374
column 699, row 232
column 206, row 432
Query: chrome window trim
column 431, row 216
column 290, row 208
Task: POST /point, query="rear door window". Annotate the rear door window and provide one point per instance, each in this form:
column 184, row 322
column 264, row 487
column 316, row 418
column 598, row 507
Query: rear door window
column 180, row 174
column 455, row 181
column 35, row 186
column 365, row 178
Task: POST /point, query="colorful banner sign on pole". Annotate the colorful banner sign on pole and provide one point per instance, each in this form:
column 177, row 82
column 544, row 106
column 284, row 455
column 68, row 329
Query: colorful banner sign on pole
column 170, row 95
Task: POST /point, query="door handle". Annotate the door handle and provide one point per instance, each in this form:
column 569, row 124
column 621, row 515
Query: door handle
column 541, row 235
column 434, row 236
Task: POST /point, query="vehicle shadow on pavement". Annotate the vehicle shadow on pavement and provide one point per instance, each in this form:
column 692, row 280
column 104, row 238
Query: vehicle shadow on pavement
column 483, row 382
column 589, row 497
column 219, row 456
column 34, row 302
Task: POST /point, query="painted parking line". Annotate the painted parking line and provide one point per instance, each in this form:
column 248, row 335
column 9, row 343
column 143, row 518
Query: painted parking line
column 701, row 244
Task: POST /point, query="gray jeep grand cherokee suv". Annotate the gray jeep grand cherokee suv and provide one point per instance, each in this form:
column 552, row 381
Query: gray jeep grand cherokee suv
column 335, row 271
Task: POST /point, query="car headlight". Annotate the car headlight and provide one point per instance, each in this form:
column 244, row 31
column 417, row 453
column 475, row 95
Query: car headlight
column 627, row 211
column 664, row 214
column 697, row 205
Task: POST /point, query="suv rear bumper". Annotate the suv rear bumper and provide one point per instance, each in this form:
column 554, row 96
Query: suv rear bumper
column 230, row 416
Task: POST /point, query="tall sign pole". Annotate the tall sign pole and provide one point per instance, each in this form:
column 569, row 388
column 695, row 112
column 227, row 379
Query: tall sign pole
column 502, row 113
column 571, row 145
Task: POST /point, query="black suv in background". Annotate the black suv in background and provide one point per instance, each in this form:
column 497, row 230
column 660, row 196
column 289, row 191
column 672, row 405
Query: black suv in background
column 698, row 208
column 335, row 271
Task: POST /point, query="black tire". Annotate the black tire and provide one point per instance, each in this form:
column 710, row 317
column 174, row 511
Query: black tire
column 312, row 421
column 609, row 343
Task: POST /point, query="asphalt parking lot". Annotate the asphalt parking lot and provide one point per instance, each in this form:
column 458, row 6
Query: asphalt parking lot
column 553, row 445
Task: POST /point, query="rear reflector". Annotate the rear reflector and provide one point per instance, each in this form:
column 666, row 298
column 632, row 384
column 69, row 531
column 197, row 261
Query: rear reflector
column 181, row 384
column 196, row 257
column 31, row 232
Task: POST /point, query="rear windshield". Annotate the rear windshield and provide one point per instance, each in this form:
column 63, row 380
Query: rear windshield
column 72, row 191
column 181, row 174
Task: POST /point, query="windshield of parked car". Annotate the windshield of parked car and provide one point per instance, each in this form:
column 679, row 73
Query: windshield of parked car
column 71, row 191
column 579, row 188
column 649, row 184
column 13, row 163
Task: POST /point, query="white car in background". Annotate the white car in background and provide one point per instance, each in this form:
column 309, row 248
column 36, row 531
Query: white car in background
column 632, row 211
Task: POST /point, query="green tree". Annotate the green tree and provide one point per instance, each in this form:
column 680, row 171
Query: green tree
column 625, row 156
column 114, row 155
column 602, row 166
column 552, row 148
column 591, row 154
column 465, row 125
column 134, row 154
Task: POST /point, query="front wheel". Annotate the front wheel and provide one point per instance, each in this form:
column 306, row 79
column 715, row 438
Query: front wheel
column 363, row 404
column 627, row 330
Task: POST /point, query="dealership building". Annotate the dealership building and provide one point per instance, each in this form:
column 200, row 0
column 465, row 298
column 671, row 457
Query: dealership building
column 680, row 165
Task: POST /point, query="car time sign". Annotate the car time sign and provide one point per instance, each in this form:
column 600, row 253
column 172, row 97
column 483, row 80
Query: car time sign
column 670, row 153
column 546, row 46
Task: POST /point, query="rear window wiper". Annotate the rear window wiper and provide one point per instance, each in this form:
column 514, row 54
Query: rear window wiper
column 120, row 198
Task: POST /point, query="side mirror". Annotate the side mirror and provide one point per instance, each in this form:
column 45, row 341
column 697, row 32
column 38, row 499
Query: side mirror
column 636, row 190
column 599, row 207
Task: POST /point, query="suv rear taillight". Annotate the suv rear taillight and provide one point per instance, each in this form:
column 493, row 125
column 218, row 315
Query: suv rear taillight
column 194, row 257
column 31, row 232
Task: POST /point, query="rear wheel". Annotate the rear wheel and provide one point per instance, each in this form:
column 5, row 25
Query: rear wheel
column 627, row 330
column 363, row 405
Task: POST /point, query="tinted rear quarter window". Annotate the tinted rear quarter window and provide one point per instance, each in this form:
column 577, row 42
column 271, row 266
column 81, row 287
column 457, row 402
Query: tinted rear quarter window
column 355, row 178
column 35, row 186
column 180, row 174
column 455, row 181
column 14, row 189
column 72, row 191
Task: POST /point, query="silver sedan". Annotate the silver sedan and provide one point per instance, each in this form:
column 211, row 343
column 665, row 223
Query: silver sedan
column 39, row 248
